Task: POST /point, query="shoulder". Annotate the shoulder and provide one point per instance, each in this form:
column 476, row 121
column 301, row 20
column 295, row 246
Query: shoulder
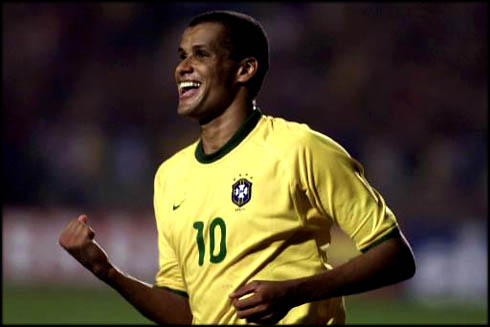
column 293, row 138
column 175, row 163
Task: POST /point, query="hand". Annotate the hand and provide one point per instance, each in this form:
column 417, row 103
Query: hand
column 78, row 239
column 267, row 303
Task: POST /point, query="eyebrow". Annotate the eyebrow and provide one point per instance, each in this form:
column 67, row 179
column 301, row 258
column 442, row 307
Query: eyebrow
column 194, row 47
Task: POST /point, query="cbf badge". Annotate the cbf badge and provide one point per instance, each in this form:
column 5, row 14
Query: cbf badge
column 241, row 192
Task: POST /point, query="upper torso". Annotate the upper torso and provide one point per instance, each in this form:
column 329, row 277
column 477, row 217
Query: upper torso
column 249, row 213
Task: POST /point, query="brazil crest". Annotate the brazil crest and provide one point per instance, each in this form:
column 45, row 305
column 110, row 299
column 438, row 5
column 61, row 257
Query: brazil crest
column 241, row 192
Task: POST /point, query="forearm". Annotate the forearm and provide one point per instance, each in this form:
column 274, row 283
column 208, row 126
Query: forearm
column 386, row 264
column 157, row 304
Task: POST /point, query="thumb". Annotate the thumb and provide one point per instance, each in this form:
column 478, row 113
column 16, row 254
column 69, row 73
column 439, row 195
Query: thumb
column 83, row 219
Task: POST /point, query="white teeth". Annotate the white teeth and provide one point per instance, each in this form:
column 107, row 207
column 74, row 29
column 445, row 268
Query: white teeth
column 189, row 84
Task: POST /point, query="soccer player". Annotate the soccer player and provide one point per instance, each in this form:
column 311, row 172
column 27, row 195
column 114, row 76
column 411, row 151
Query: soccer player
column 244, row 213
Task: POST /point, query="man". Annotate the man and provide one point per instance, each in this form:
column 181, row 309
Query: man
column 244, row 214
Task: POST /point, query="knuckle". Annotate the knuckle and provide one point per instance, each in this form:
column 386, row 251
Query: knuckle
column 62, row 243
column 63, row 240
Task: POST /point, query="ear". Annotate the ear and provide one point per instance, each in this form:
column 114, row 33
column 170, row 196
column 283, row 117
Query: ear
column 247, row 69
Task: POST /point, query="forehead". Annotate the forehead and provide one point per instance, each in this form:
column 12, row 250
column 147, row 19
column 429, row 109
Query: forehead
column 211, row 34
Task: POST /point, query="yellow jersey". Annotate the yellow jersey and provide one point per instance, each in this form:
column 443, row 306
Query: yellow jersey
column 260, row 208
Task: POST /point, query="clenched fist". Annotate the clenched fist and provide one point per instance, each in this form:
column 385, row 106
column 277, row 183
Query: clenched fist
column 78, row 239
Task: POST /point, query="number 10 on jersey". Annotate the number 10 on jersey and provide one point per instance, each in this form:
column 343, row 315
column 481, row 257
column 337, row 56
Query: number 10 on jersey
column 215, row 223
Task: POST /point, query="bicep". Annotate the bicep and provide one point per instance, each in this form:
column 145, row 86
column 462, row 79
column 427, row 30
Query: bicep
column 395, row 256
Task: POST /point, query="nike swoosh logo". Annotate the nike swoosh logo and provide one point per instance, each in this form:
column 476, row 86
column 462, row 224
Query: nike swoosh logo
column 175, row 207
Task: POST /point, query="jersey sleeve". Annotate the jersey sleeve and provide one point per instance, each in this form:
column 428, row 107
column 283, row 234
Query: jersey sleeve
column 338, row 190
column 169, row 273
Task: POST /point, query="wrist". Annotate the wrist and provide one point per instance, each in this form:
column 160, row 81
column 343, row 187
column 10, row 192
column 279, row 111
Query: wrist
column 112, row 275
column 105, row 272
column 295, row 292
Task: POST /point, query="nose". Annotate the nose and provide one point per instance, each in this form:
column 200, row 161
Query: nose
column 184, row 67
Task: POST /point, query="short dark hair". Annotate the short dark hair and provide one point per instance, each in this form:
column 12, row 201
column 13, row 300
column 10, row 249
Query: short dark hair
column 246, row 38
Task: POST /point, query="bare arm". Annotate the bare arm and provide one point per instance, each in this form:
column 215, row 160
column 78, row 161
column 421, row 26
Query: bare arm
column 157, row 304
column 390, row 262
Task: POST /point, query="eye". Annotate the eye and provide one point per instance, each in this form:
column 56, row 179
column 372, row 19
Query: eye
column 182, row 56
column 200, row 53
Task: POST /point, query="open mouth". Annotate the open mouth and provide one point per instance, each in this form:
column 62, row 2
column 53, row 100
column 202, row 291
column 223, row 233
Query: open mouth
column 188, row 88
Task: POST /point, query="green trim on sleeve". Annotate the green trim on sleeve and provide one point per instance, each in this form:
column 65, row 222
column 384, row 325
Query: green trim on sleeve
column 181, row 293
column 394, row 233
column 239, row 135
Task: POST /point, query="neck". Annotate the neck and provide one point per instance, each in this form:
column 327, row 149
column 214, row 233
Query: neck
column 218, row 131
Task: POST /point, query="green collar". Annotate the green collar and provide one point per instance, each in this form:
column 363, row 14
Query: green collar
column 247, row 126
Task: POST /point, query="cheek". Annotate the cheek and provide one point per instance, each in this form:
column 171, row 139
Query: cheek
column 224, row 78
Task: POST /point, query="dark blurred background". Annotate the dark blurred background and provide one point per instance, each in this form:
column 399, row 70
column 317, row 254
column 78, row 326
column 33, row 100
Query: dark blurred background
column 89, row 112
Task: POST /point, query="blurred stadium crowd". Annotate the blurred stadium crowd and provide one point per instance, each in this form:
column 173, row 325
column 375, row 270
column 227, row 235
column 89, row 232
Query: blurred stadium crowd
column 89, row 100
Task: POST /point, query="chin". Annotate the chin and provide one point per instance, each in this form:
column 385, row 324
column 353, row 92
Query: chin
column 188, row 112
